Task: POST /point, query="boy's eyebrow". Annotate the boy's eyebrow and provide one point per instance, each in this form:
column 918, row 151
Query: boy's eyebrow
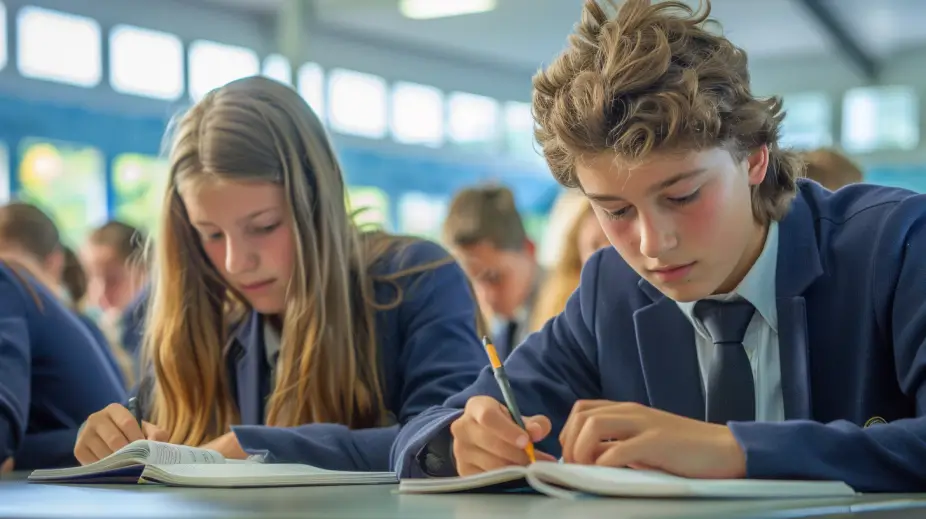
column 604, row 197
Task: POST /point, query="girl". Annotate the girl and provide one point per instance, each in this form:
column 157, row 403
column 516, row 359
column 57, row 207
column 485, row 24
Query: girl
column 582, row 239
column 117, row 272
column 275, row 327
column 29, row 234
column 53, row 373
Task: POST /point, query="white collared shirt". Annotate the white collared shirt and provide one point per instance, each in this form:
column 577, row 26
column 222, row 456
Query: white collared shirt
column 761, row 341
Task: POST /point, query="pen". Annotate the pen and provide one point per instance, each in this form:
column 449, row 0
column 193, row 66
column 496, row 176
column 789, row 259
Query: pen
column 502, row 380
column 136, row 411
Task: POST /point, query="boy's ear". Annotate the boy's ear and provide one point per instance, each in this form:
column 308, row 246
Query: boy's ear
column 757, row 165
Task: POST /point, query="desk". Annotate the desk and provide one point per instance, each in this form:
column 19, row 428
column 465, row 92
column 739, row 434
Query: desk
column 23, row 500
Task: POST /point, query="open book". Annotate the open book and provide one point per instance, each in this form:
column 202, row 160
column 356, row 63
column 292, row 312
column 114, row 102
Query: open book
column 567, row 480
column 146, row 461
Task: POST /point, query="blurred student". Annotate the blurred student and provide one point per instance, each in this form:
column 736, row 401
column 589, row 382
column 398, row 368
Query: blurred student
column 484, row 230
column 743, row 325
column 583, row 238
column 53, row 373
column 275, row 326
column 117, row 272
column 27, row 232
column 831, row 168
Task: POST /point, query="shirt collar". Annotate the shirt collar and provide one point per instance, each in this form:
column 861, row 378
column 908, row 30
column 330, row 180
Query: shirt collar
column 757, row 287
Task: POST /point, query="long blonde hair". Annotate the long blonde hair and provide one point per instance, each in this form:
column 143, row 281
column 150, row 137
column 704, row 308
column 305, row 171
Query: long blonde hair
column 562, row 281
column 256, row 129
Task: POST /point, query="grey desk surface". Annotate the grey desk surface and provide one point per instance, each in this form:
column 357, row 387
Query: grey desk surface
column 24, row 500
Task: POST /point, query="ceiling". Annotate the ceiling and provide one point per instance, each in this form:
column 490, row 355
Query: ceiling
column 527, row 33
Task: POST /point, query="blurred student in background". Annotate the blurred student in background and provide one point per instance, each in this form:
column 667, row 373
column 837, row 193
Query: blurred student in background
column 26, row 232
column 484, row 230
column 276, row 327
column 117, row 273
column 583, row 237
column 53, row 371
column 831, row 168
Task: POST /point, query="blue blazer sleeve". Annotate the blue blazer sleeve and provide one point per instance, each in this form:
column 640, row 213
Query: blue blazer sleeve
column 549, row 372
column 882, row 458
column 438, row 353
column 15, row 368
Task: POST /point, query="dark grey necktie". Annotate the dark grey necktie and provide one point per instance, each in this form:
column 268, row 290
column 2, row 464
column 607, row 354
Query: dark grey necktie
column 730, row 385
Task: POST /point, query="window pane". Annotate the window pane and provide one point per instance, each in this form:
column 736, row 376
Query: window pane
column 312, row 87
column 808, row 121
column 421, row 214
column 214, row 64
column 880, row 118
column 369, row 207
column 57, row 46
column 358, row 103
column 139, row 184
column 145, row 62
column 68, row 181
column 417, row 114
column 473, row 120
column 277, row 67
column 519, row 130
column 4, row 52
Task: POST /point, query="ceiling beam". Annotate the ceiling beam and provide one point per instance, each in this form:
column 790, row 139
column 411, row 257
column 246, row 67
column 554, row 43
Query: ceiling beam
column 293, row 22
column 846, row 43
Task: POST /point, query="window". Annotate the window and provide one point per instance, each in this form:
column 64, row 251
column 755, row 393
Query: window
column 277, row 67
column 808, row 121
column 417, row 114
column 358, row 103
column 519, row 130
column 311, row 85
column 214, row 64
column 880, row 118
column 421, row 214
column 138, row 184
column 68, row 181
column 4, row 53
column 57, row 46
column 472, row 120
column 145, row 62
column 369, row 207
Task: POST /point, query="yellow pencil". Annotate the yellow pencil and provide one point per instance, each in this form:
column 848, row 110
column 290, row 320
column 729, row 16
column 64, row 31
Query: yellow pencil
column 507, row 393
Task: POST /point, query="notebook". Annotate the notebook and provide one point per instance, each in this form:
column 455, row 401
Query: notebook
column 569, row 481
column 151, row 462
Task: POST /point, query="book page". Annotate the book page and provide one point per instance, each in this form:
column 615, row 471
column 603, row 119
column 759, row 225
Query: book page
column 169, row 454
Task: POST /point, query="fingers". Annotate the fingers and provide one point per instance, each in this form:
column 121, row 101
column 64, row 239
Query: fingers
column 7, row 466
column 486, row 438
column 105, row 432
column 538, row 427
column 543, row 456
column 592, row 423
column 640, row 452
column 492, row 416
column 154, row 433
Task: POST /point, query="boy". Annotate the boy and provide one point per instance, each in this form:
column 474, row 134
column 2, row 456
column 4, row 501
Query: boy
column 485, row 231
column 744, row 324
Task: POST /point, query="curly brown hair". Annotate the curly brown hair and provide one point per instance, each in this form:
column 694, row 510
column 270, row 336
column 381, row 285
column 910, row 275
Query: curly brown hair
column 654, row 78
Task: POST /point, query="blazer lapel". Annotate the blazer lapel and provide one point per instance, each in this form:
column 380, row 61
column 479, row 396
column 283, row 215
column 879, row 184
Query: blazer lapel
column 798, row 266
column 248, row 369
column 669, row 357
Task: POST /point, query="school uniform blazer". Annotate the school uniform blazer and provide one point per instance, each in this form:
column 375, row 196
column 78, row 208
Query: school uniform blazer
column 428, row 351
column 53, row 375
column 851, row 300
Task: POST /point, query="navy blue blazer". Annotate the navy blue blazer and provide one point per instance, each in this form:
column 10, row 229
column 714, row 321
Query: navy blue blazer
column 132, row 323
column 851, row 292
column 53, row 375
column 428, row 349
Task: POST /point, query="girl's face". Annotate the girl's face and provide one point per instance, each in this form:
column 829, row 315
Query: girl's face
column 247, row 234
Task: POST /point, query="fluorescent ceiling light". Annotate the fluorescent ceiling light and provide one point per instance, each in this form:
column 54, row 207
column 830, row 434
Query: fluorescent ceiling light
column 426, row 9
